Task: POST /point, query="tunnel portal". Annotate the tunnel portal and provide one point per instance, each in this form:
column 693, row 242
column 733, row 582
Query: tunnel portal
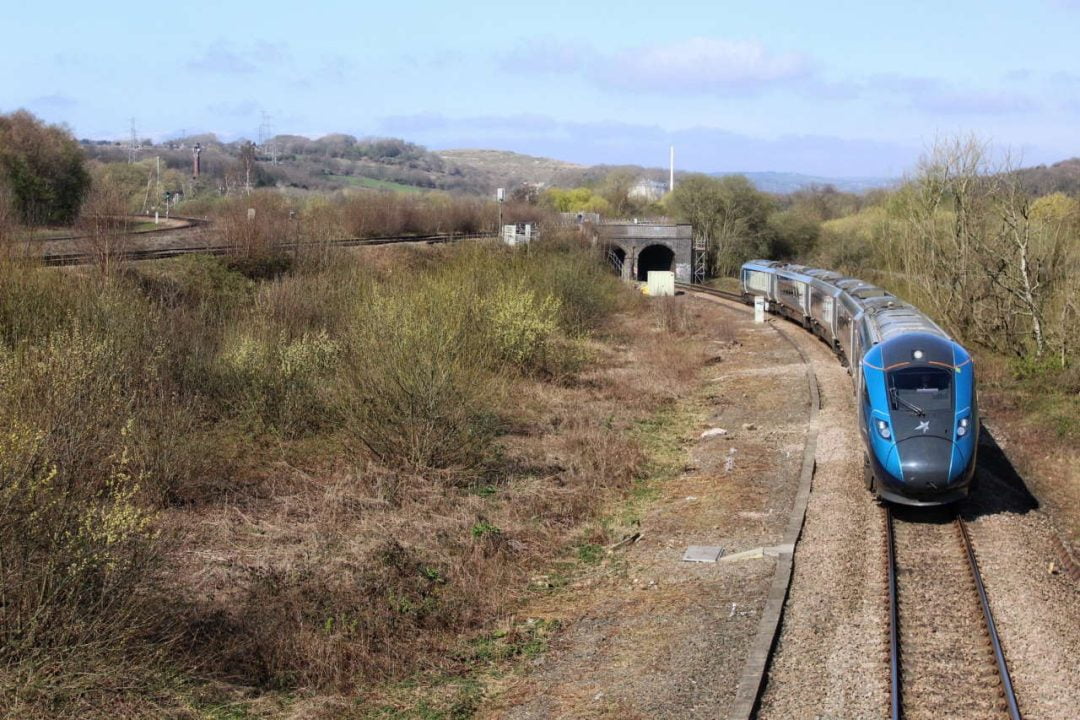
column 654, row 257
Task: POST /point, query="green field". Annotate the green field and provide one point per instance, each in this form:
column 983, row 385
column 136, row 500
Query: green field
column 373, row 184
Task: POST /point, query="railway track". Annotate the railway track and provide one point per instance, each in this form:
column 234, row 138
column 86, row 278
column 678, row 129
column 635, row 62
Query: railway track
column 945, row 657
column 85, row 258
column 706, row 290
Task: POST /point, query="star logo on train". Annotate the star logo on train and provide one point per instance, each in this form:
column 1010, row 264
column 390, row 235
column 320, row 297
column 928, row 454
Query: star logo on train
column 924, row 426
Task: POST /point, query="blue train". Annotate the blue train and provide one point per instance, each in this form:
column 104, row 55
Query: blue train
column 915, row 385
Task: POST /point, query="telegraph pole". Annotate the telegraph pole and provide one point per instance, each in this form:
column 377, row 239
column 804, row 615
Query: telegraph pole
column 133, row 146
column 499, row 195
column 266, row 134
column 671, row 177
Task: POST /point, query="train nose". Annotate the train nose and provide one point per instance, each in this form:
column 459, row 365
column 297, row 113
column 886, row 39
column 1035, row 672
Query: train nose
column 929, row 464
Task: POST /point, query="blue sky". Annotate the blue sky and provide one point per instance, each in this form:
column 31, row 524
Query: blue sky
column 825, row 87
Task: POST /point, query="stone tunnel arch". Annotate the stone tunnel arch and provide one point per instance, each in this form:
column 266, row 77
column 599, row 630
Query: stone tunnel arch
column 654, row 257
column 615, row 257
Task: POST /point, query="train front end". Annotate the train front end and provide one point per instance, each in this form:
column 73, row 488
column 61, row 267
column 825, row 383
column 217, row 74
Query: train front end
column 920, row 419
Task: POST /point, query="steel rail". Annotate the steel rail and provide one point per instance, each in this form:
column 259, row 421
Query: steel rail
column 988, row 615
column 706, row 290
column 894, row 620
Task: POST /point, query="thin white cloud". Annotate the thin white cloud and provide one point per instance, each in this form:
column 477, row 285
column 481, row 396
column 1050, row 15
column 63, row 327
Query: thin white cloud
column 222, row 57
column 723, row 67
column 54, row 102
column 939, row 97
column 549, row 55
column 704, row 64
column 694, row 65
column 234, row 108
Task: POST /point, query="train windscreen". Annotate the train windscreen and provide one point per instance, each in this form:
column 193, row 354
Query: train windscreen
column 920, row 390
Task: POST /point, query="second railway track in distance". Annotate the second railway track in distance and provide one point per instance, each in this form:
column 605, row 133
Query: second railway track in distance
column 945, row 657
column 84, row 258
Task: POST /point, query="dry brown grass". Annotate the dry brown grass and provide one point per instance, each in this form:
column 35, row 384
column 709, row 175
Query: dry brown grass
column 338, row 576
column 300, row 553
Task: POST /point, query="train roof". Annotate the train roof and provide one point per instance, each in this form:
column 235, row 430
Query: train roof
column 865, row 292
column 886, row 315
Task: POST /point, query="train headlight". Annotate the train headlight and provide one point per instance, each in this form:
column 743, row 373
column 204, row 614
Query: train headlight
column 962, row 427
column 883, row 429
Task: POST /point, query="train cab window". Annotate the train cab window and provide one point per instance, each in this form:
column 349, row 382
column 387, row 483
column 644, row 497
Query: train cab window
column 920, row 390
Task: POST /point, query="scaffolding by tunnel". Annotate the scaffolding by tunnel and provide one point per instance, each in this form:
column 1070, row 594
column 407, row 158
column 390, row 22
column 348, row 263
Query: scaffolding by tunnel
column 615, row 257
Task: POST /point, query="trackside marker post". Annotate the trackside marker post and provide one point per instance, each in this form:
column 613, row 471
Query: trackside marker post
column 759, row 309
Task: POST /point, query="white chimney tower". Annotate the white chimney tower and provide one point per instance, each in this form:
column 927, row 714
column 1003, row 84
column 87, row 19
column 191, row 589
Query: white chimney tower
column 671, row 178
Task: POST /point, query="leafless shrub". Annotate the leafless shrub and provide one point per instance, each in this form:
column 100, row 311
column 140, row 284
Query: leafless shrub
column 674, row 316
column 103, row 223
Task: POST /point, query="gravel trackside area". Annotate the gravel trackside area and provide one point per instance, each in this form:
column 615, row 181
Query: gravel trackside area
column 1036, row 606
column 828, row 658
column 647, row 635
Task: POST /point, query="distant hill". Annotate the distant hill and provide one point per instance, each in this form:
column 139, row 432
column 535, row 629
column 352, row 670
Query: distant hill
column 783, row 182
column 514, row 168
column 328, row 163
column 1062, row 176
column 342, row 161
column 510, row 167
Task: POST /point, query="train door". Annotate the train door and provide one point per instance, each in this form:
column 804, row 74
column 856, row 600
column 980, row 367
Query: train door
column 857, row 350
column 802, row 295
column 843, row 333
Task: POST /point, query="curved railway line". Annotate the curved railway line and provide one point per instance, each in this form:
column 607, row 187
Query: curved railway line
column 88, row 257
column 945, row 655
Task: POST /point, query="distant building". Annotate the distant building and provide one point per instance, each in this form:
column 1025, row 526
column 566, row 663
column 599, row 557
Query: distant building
column 648, row 190
column 579, row 218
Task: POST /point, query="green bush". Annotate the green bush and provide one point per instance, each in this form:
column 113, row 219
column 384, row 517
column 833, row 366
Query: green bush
column 278, row 384
column 418, row 388
column 77, row 544
column 197, row 282
column 586, row 290
column 120, row 395
column 521, row 324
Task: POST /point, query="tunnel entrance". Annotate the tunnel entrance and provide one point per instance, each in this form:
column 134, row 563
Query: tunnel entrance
column 615, row 257
column 654, row 257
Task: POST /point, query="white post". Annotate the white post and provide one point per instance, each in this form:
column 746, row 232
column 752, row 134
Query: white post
column 759, row 309
column 671, row 177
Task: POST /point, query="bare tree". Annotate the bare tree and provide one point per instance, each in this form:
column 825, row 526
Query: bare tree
column 969, row 244
column 103, row 224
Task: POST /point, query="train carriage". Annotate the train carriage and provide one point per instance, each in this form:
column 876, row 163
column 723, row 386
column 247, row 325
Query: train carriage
column 793, row 294
column 824, row 300
column 758, row 279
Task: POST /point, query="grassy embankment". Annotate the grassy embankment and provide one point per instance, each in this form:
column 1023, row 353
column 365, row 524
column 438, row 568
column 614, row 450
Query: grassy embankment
column 223, row 496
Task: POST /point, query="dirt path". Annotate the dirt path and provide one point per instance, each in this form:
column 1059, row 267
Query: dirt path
column 650, row 636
